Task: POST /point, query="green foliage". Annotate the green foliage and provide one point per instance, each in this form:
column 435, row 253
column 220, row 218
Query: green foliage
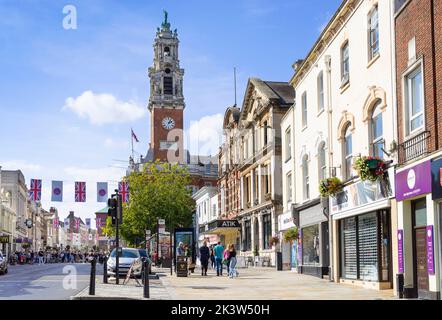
column 370, row 168
column 330, row 186
column 291, row 234
column 159, row 190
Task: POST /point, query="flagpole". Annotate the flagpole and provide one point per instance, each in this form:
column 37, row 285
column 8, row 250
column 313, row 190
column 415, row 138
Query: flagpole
column 132, row 142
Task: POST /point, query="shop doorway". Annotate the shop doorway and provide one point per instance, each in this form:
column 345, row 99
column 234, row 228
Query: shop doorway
column 421, row 280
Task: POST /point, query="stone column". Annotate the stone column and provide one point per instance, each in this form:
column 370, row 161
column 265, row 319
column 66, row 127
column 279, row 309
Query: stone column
column 261, row 244
column 241, row 192
column 252, row 187
column 260, row 197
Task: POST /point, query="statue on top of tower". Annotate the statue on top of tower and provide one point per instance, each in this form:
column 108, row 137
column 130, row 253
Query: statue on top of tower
column 165, row 25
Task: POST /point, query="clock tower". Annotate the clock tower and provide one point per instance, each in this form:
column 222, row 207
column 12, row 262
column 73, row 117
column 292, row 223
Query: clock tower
column 166, row 101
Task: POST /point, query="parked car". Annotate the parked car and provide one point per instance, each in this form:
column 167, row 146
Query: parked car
column 127, row 257
column 3, row 263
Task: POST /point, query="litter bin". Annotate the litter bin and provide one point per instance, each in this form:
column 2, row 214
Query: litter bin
column 279, row 261
column 400, row 285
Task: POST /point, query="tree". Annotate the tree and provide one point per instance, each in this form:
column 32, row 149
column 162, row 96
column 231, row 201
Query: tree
column 159, row 190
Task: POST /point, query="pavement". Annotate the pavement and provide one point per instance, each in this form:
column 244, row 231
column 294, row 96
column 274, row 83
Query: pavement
column 71, row 281
column 266, row 284
column 251, row 284
column 44, row 282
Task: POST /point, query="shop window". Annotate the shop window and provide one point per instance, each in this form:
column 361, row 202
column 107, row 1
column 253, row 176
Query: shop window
column 266, row 230
column 310, row 245
column 349, row 248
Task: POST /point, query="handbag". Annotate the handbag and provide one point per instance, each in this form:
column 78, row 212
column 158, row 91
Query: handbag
column 226, row 262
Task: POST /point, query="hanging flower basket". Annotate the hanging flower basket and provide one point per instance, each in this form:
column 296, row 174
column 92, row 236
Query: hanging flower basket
column 330, row 186
column 274, row 240
column 370, row 168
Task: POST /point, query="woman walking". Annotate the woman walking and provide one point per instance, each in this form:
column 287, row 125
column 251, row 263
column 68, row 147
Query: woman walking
column 212, row 257
column 232, row 258
column 204, row 258
column 227, row 258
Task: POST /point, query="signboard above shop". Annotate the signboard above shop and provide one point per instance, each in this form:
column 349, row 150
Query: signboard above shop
column 414, row 181
column 360, row 194
column 436, row 179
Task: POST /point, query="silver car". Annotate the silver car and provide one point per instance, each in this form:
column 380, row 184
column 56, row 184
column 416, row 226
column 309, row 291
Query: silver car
column 128, row 257
column 3, row 263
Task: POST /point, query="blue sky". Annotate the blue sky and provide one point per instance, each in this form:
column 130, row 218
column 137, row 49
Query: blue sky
column 42, row 65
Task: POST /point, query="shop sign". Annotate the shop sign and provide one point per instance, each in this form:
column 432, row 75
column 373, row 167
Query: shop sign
column 430, row 250
column 400, row 250
column 436, row 178
column 414, row 181
column 359, row 194
column 4, row 239
column 224, row 224
column 285, row 221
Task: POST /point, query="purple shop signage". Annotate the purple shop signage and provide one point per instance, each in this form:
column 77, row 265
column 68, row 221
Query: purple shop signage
column 414, row 181
column 430, row 250
column 300, row 248
column 400, row 250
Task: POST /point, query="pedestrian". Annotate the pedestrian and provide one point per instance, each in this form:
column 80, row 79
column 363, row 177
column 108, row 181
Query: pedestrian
column 212, row 257
column 218, row 251
column 204, row 258
column 40, row 256
column 226, row 256
column 232, row 264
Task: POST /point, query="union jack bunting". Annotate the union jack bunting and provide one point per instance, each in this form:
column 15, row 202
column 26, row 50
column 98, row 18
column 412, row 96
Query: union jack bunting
column 77, row 224
column 56, row 223
column 35, row 190
column 123, row 190
column 80, row 191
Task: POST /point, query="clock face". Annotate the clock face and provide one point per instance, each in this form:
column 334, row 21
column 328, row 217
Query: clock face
column 168, row 123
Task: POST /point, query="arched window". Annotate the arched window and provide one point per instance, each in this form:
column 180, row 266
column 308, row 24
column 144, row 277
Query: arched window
column 347, row 153
column 376, row 134
column 305, row 176
column 322, row 162
column 166, row 51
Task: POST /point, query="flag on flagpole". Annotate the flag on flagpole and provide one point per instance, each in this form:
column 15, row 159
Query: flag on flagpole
column 80, row 191
column 77, row 224
column 134, row 136
column 57, row 191
column 123, row 190
column 66, row 224
column 102, row 192
column 88, row 223
column 35, row 190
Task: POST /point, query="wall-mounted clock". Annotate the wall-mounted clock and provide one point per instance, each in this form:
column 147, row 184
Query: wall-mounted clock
column 168, row 123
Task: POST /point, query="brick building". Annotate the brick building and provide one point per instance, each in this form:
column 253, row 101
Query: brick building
column 418, row 34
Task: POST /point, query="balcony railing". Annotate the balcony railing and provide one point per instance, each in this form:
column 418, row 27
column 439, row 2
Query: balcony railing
column 414, row 148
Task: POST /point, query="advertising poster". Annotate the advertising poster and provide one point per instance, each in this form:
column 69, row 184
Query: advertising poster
column 186, row 237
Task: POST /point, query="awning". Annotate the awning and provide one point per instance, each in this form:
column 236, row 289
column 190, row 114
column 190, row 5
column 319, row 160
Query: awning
column 221, row 227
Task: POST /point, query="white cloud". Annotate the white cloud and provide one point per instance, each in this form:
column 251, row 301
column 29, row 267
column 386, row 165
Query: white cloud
column 104, row 108
column 20, row 165
column 99, row 174
column 205, row 135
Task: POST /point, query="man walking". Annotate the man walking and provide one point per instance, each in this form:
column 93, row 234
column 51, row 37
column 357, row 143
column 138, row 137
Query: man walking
column 219, row 250
column 40, row 256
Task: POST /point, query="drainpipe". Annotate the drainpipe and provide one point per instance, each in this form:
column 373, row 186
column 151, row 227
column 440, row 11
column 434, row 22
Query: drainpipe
column 330, row 160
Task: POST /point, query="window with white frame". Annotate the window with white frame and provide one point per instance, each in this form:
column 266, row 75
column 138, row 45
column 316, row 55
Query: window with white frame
column 348, row 153
column 373, row 33
column 322, row 161
column 304, row 109
column 414, row 101
column 288, row 144
column 305, row 176
column 345, row 64
column 289, row 188
column 320, row 85
column 377, row 140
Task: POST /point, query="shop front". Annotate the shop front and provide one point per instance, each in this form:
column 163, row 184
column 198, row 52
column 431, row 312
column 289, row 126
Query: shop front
column 226, row 231
column 436, row 174
column 418, row 192
column 362, row 229
column 313, row 255
column 288, row 249
column 5, row 244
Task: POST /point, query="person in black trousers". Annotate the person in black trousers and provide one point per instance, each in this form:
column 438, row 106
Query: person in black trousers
column 204, row 258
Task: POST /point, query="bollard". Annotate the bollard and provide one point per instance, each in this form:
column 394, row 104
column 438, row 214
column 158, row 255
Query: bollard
column 105, row 270
column 92, row 280
column 146, row 279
